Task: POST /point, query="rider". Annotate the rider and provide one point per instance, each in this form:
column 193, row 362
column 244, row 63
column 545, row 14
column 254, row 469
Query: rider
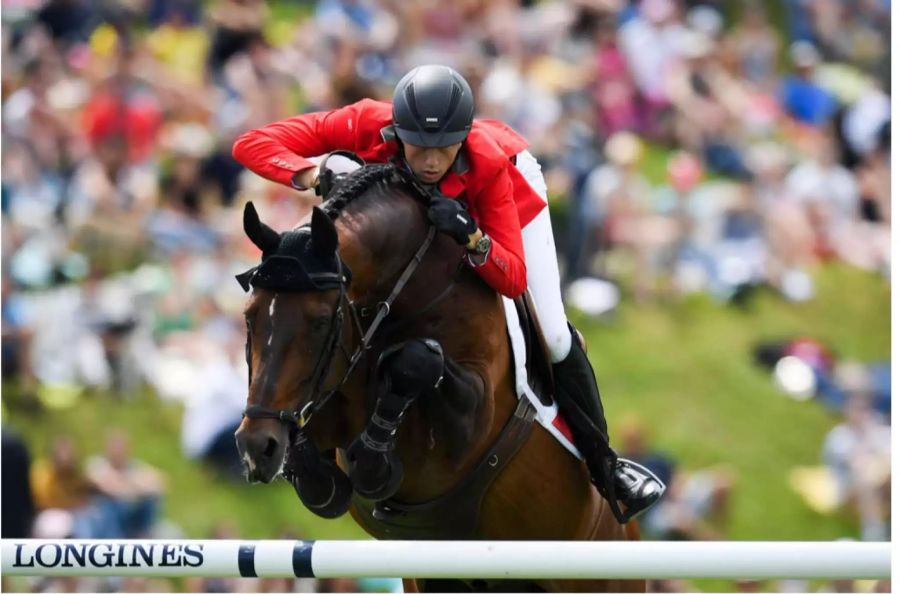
column 489, row 195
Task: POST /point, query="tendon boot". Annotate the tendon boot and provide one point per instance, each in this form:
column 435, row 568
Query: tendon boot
column 319, row 482
column 406, row 371
column 575, row 387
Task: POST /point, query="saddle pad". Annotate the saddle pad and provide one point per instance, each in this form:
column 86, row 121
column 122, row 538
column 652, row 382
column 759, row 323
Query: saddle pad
column 547, row 417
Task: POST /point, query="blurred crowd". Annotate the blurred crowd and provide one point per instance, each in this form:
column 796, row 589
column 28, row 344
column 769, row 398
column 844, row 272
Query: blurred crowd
column 855, row 470
column 114, row 495
column 689, row 146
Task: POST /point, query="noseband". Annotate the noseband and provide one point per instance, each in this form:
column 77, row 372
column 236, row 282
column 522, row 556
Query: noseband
column 316, row 399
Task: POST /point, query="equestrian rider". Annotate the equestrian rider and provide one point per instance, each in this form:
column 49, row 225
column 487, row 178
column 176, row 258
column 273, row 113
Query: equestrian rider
column 489, row 195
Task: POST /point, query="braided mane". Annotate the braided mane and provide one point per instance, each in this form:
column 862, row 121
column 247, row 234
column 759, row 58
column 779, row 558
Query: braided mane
column 355, row 184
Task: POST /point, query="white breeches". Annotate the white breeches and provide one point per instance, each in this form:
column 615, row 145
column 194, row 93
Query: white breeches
column 543, row 269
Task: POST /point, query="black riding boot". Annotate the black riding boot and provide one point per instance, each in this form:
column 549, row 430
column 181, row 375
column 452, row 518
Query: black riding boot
column 579, row 400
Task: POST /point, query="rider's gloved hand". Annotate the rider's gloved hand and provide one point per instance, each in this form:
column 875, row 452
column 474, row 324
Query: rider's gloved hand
column 307, row 179
column 452, row 218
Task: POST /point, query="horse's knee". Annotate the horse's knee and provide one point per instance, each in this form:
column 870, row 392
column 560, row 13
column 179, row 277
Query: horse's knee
column 406, row 371
column 417, row 365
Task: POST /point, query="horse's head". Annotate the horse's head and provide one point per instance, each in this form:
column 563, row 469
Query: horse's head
column 294, row 323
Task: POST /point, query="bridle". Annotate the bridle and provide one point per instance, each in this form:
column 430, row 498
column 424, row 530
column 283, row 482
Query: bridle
column 316, row 399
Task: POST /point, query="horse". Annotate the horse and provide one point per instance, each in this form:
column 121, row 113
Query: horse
column 381, row 383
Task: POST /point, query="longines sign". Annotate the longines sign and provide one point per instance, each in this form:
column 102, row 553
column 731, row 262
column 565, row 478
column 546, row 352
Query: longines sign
column 211, row 558
column 102, row 555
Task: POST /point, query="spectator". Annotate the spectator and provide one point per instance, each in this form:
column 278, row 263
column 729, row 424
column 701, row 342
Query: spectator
column 334, row 585
column 634, row 446
column 697, row 506
column 237, row 24
column 213, row 410
column 756, row 44
column 18, row 503
column 58, row 482
column 706, row 106
column 122, row 120
column 63, row 495
column 857, row 452
column 650, row 42
column 828, row 196
column 803, row 98
column 130, row 490
column 860, row 129
column 620, row 212
column 834, row 390
column 16, row 336
column 183, row 12
column 618, row 103
column 69, row 21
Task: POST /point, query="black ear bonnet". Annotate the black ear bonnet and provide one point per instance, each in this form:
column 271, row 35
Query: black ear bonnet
column 302, row 259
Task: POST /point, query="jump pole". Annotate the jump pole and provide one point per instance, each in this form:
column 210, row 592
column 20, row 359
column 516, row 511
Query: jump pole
column 447, row 559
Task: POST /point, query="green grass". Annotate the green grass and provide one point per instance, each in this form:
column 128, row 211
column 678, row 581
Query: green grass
column 687, row 372
column 685, row 369
column 197, row 500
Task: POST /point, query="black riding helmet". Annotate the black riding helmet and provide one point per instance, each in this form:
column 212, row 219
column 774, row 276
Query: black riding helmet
column 433, row 107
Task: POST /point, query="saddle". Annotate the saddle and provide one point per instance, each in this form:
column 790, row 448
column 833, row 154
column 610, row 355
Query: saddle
column 538, row 365
column 455, row 515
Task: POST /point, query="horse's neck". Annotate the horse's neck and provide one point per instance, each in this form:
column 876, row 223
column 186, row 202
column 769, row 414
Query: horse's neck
column 440, row 439
column 447, row 433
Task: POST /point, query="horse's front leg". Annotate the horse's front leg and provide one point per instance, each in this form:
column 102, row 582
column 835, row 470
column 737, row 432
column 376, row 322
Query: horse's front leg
column 405, row 372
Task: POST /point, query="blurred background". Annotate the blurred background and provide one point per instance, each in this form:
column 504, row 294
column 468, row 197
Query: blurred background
column 720, row 189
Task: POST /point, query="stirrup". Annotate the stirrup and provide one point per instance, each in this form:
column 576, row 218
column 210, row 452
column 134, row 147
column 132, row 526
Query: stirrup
column 651, row 488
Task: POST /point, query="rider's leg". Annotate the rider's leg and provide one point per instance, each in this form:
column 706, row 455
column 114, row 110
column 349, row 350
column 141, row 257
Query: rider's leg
column 543, row 269
column 576, row 384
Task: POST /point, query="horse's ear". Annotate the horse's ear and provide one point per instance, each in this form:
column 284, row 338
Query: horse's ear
column 263, row 236
column 324, row 234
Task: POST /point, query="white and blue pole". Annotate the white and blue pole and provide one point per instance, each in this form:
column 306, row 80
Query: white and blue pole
column 447, row 559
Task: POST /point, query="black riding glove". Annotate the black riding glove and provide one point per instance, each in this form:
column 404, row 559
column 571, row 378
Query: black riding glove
column 452, row 218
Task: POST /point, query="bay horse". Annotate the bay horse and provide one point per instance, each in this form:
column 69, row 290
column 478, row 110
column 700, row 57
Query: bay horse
column 381, row 382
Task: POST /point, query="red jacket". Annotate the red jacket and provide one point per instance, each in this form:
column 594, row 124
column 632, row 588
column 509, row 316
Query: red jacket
column 499, row 198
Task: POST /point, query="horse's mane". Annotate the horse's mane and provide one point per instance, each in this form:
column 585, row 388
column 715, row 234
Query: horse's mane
column 356, row 183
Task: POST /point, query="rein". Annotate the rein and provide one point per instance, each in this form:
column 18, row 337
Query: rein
column 316, row 399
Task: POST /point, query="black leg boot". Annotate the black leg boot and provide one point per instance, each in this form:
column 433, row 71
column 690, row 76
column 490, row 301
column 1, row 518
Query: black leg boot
column 579, row 400
column 406, row 371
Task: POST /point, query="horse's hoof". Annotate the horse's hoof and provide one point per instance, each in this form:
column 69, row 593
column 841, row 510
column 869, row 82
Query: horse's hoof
column 318, row 481
column 374, row 475
column 325, row 491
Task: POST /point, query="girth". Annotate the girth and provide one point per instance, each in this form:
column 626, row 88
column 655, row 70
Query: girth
column 455, row 515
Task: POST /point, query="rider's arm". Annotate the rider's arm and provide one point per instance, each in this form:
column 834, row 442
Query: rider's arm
column 277, row 151
column 497, row 215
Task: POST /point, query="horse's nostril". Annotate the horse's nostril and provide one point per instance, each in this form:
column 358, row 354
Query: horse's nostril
column 271, row 446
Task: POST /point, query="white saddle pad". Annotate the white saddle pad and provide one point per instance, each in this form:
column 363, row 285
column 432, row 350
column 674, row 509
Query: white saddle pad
column 547, row 417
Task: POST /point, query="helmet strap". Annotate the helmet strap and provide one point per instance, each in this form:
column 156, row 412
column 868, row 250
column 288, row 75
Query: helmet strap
column 400, row 159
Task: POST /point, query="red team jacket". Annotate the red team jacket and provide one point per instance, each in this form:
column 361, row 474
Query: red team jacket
column 498, row 197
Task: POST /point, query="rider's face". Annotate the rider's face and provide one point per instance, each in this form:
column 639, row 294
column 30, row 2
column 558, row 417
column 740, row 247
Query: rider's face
column 430, row 164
